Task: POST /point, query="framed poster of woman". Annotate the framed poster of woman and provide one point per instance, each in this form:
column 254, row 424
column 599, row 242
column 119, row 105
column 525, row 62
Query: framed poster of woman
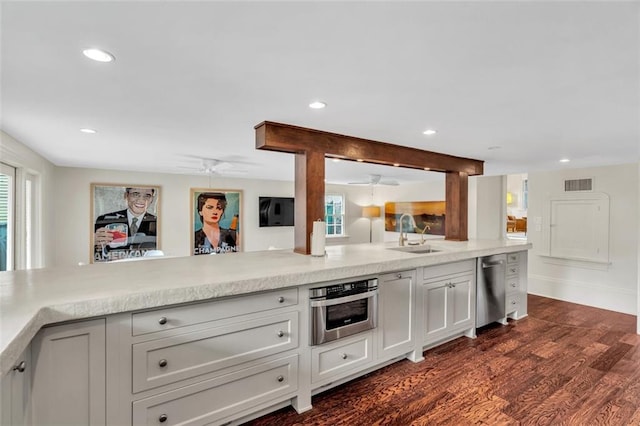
column 215, row 221
column 125, row 221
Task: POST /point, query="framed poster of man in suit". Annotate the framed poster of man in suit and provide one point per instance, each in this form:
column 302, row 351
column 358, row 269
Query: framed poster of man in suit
column 125, row 221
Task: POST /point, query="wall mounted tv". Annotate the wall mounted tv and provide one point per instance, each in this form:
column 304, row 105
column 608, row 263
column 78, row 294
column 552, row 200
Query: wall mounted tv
column 276, row 211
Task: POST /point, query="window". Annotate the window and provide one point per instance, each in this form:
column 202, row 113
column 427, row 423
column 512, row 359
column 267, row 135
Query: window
column 7, row 191
column 525, row 194
column 334, row 214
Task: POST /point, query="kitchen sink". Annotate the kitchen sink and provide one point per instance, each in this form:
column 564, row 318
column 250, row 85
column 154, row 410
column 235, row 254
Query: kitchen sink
column 415, row 249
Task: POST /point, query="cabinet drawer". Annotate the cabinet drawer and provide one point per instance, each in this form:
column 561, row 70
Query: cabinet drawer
column 195, row 313
column 513, row 257
column 513, row 284
column 513, row 302
column 513, row 269
column 436, row 272
column 211, row 400
column 342, row 357
column 163, row 361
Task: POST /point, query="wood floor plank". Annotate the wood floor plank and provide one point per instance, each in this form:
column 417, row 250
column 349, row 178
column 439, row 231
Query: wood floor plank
column 564, row 364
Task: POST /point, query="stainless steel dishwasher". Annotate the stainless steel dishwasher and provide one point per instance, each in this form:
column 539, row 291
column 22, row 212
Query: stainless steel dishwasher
column 490, row 295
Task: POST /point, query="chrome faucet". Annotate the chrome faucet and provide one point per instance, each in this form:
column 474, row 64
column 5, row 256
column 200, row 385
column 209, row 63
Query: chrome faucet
column 422, row 233
column 403, row 238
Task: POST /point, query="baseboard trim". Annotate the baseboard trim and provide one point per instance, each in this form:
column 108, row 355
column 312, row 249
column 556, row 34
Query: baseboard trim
column 598, row 296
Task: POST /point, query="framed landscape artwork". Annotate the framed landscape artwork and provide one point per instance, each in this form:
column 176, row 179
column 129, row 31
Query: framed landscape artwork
column 215, row 221
column 427, row 216
column 125, row 221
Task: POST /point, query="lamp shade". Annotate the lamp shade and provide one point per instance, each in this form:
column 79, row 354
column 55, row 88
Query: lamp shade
column 371, row 211
column 509, row 198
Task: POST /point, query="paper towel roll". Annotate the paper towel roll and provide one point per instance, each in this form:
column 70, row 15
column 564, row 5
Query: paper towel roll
column 317, row 238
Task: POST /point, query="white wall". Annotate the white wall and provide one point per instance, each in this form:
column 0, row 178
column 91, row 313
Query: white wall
column 73, row 227
column 613, row 286
column 26, row 161
column 487, row 207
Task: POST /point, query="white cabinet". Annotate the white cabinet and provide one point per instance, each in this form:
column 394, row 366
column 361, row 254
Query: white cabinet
column 15, row 392
column 214, row 400
column 448, row 301
column 208, row 362
column 341, row 358
column 396, row 312
column 516, row 282
column 69, row 379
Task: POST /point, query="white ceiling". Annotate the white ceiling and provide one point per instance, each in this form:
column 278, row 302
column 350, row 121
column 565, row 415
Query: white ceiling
column 539, row 80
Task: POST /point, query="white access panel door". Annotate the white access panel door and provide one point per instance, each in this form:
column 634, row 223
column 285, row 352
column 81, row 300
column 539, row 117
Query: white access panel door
column 579, row 229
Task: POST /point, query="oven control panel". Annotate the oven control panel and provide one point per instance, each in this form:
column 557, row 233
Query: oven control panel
column 344, row 289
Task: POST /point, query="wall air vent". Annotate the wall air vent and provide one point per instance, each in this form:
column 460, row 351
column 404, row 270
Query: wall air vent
column 572, row 185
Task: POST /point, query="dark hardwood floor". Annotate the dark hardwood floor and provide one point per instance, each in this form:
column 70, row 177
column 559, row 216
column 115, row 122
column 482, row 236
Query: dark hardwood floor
column 565, row 364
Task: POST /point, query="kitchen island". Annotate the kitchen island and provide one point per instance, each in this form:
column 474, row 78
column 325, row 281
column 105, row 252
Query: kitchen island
column 30, row 300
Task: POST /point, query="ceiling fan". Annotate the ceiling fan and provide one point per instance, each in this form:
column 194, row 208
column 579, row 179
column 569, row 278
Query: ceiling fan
column 211, row 166
column 376, row 180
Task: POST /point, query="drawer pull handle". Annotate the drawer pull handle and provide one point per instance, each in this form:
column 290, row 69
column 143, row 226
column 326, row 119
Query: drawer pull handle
column 513, row 285
column 162, row 321
column 163, row 418
column 162, row 363
column 513, row 302
column 20, row 367
column 343, row 356
column 399, row 276
column 280, row 379
column 281, row 299
column 280, row 333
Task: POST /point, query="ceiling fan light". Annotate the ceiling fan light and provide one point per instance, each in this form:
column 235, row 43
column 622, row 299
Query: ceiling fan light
column 98, row 55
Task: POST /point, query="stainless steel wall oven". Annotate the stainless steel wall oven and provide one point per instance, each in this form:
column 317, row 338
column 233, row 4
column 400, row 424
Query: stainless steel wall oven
column 340, row 310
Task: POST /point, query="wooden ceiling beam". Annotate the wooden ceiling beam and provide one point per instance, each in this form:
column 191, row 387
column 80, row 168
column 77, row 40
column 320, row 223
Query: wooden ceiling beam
column 293, row 139
column 312, row 146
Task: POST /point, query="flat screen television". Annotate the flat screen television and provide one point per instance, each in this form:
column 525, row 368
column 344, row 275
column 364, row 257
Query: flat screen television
column 276, row 211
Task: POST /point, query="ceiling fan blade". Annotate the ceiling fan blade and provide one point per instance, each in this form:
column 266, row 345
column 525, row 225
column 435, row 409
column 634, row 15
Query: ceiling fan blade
column 389, row 182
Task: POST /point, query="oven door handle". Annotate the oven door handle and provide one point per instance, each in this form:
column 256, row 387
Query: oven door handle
column 345, row 299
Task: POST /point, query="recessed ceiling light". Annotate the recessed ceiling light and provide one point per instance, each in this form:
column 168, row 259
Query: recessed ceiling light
column 317, row 105
column 98, row 55
column 335, row 160
column 359, row 160
column 429, row 132
column 564, row 160
column 396, row 164
column 90, row 131
column 427, row 168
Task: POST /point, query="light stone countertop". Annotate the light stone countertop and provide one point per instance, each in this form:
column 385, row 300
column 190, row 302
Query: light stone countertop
column 34, row 298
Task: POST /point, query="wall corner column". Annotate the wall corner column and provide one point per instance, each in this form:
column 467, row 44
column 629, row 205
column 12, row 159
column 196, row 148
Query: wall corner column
column 456, row 211
column 309, row 193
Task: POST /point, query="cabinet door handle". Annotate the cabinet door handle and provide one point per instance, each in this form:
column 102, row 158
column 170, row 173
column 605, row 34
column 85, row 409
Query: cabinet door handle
column 280, row 299
column 343, row 356
column 280, row 333
column 163, row 418
column 162, row 363
column 162, row 320
column 398, row 276
column 280, row 379
column 20, row 367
